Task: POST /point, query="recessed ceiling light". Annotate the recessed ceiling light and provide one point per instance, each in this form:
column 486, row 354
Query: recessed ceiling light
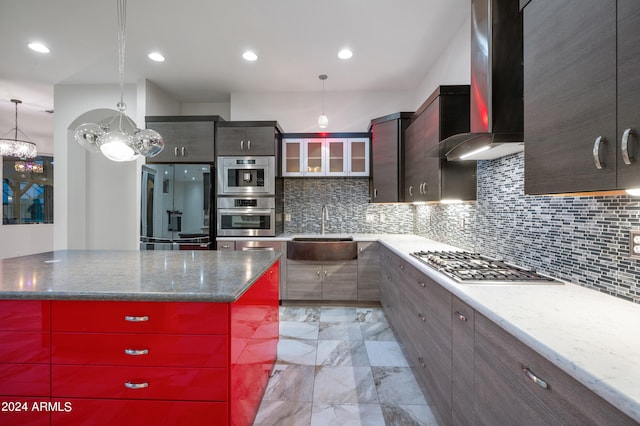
column 250, row 56
column 345, row 54
column 156, row 56
column 38, row 47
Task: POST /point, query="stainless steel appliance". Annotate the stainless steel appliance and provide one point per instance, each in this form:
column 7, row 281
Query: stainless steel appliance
column 474, row 268
column 177, row 207
column 247, row 217
column 246, row 176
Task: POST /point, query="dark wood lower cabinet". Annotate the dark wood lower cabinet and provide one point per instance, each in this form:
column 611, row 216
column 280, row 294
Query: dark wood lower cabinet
column 516, row 385
column 462, row 358
column 471, row 369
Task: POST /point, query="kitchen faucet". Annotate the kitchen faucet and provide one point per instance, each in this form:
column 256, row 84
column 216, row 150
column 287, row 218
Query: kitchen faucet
column 324, row 213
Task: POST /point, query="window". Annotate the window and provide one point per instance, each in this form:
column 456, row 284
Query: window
column 27, row 190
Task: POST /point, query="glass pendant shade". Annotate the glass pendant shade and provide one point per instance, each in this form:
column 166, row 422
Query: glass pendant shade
column 117, row 145
column 323, row 121
column 88, row 134
column 148, row 142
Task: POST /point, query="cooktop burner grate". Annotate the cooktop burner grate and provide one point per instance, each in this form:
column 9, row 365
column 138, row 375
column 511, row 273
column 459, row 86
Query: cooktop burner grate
column 467, row 267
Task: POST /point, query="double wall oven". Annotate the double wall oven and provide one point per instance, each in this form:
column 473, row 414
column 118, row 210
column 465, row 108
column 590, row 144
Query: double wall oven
column 246, row 201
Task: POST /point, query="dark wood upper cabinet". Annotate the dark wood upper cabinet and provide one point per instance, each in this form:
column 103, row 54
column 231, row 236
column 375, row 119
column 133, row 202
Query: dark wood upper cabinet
column 247, row 138
column 187, row 139
column 387, row 157
column 629, row 92
column 581, row 85
column 428, row 176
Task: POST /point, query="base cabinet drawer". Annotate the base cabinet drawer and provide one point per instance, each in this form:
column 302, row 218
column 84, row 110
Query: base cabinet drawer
column 25, row 411
column 105, row 412
column 25, row 380
column 25, row 315
column 25, row 346
column 513, row 382
column 145, row 350
column 182, row 384
column 140, row 317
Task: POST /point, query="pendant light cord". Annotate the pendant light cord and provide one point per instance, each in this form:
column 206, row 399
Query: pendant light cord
column 122, row 23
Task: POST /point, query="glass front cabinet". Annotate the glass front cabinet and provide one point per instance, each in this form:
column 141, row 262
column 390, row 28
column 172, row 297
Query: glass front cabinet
column 326, row 157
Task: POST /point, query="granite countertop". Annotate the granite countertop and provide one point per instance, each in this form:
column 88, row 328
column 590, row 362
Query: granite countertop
column 592, row 336
column 195, row 276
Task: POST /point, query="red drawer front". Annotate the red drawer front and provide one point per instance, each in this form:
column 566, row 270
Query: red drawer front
column 140, row 349
column 24, row 380
column 183, row 384
column 25, row 411
column 25, row 346
column 140, row 317
column 25, row 315
column 96, row 412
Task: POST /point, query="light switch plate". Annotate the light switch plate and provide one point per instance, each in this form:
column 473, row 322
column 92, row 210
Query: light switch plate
column 634, row 244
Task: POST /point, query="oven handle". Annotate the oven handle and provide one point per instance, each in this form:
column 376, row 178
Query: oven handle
column 246, row 212
column 258, row 249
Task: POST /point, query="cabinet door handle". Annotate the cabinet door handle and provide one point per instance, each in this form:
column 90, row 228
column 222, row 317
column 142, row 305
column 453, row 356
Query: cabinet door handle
column 136, row 352
column 423, row 285
column 401, row 266
column 325, row 274
column 375, row 192
column 625, row 146
column 422, row 317
column 596, row 152
column 411, row 190
column 130, row 385
column 421, row 362
column 535, row 379
column 175, row 151
column 248, row 145
column 241, row 145
column 225, row 247
column 183, row 151
column 424, row 188
column 460, row 316
column 136, row 319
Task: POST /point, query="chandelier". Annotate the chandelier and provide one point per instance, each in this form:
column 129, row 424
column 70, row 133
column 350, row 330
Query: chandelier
column 119, row 139
column 17, row 147
column 28, row 167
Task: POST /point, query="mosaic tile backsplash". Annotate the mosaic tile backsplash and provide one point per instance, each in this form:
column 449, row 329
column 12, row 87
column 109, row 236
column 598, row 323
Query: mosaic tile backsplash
column 584, row 240
column 347, row 200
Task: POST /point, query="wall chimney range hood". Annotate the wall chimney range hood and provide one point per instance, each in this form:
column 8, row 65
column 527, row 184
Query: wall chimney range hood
column 497, row 116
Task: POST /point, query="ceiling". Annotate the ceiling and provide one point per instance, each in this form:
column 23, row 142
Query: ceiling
column 394, row 43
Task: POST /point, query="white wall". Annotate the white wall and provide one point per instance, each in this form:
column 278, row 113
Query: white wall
column 452, row 67
column 223, row 109
column 299, row 111
column 94, row 198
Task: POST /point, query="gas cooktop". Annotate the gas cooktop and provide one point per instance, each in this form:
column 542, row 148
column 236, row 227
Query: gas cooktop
column 474, row 268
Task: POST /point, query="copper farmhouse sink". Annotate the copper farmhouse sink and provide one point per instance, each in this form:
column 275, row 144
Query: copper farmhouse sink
column 322, row 248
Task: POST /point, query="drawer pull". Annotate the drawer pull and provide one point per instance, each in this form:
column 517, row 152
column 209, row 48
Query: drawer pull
column 535, row 379
column 421, row 361
column 136, row 351
column 130, row 385
column 460, row 316
column 423, row 285
column 422, row 317
column 131, row 318
column 401, row 266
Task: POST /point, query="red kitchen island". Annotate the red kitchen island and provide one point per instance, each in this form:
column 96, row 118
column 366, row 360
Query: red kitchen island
column 127, row 337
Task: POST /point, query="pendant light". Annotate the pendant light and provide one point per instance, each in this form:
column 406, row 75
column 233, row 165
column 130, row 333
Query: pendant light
column 119, row 139
column 323, row 120
column 17, row 147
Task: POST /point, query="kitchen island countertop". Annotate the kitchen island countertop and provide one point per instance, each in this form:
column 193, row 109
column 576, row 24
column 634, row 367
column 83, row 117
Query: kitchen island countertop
column 119, row 275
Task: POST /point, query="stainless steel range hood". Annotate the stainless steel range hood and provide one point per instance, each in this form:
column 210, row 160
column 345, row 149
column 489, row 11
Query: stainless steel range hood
column 496, row 85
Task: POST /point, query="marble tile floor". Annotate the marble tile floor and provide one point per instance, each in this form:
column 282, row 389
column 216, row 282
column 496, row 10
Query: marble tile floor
column 340, row 366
